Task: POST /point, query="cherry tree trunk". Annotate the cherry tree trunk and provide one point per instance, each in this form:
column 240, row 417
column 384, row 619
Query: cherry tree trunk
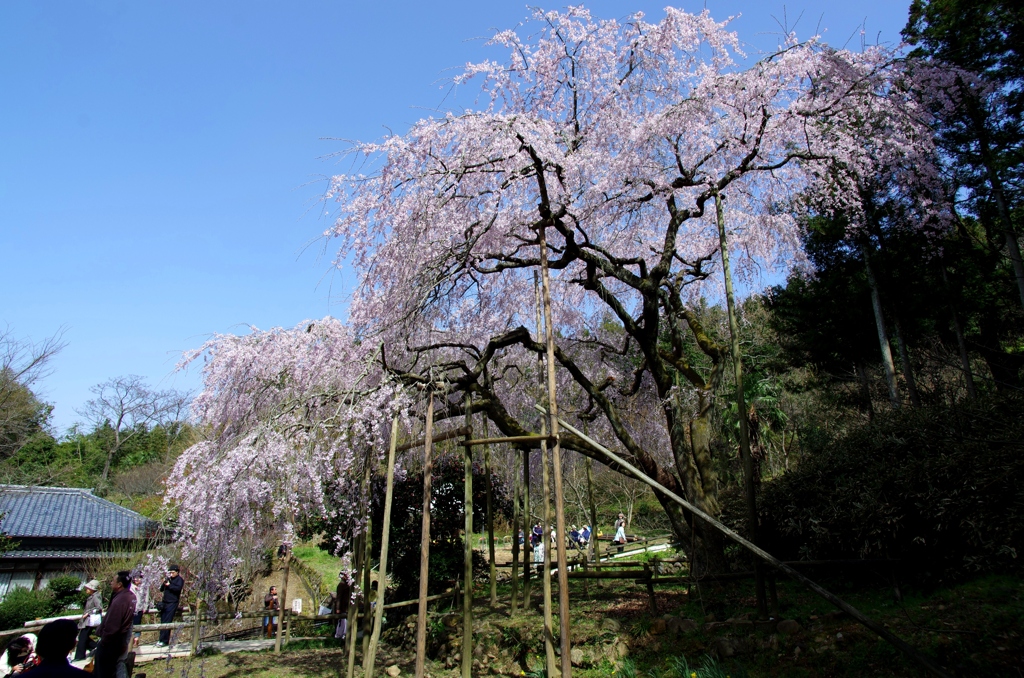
column 883, row 334
column 741, row 410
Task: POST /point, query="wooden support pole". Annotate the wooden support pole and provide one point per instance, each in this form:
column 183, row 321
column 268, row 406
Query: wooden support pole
column 382, row 570
column 467, row 561
column 545, row 542
column 545, row 538
column 284, row 598
column 359, row 555
column 527, row 529
column 459, row 432
column 353, row 610
column 195, row 628
column 922, row 660
column 586, row 586
column 650, row 588
column 591, row 545
column 516, row 520
column 430, row 599
column 428, row 470
column 563, row 582
column 511, row 439
column 493, row 575
column 367, row 576
column 741, row 406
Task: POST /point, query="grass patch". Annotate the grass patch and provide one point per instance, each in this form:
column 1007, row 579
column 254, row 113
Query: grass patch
column 325, row 564
column 973, row 629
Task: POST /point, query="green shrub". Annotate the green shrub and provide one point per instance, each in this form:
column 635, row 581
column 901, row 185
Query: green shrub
column 938, row 488
column 21, row 605
column 708, row 668
column 66, row 591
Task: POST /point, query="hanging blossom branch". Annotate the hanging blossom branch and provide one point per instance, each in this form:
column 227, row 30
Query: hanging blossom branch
column 291, row 416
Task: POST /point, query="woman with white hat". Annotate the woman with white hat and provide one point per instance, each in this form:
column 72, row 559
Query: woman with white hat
column 91, row 616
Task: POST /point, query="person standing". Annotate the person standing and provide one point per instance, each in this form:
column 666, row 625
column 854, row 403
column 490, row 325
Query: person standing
column 171, row 590
column 271, row 605
column 56, row 641
column 91, row 612
column 342, row 599
column 142, row 596
column 116, row 630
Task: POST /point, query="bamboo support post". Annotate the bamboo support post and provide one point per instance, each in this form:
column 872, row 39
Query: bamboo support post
column 911, row 652
column 467, row 563
column 428, row 469
column 741, row 406
column 563, row 582
column 385, row 536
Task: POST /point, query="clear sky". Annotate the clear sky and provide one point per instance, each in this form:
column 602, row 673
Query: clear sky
column 161, row 162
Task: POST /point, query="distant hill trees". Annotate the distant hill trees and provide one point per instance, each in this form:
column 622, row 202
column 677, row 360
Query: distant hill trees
column 134, row 435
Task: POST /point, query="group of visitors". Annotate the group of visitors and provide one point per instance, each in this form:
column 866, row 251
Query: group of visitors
column 107, row 632
column 579, row 538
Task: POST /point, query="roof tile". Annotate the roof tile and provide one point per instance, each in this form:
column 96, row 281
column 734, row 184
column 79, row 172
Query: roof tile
column 65, row 512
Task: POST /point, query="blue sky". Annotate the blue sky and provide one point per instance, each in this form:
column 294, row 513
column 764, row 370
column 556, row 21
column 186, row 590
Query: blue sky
column 160, row 162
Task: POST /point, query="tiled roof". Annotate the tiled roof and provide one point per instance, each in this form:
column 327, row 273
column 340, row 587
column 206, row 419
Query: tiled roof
column 60, row 554
column 62, row 512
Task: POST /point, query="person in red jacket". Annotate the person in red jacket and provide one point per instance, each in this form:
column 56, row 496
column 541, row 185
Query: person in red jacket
column 116, row 629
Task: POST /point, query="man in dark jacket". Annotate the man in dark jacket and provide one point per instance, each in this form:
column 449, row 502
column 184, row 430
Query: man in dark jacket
column 116, row 630
column 56, row 640
column 342, row 599
column 171, row 588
